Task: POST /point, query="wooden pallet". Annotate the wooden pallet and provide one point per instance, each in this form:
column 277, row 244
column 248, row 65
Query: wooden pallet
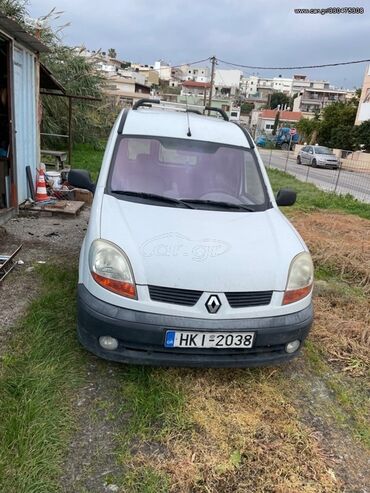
column 68, row 207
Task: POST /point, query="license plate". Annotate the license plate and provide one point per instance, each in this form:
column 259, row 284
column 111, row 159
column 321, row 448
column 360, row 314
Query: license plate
column 221, row 340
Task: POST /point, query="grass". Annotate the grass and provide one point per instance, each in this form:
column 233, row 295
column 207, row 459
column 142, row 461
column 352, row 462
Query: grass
column 155, row 406
column 310, row 198
column 215, row 431
column 154, row 401
column 182, row 430
column 87, row 156
column 39, row 374
column 351, row 396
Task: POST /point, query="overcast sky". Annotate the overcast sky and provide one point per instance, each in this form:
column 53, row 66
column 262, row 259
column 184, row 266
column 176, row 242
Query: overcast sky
column 258, row 33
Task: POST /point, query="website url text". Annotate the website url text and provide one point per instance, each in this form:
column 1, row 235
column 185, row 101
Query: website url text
column 332, row 10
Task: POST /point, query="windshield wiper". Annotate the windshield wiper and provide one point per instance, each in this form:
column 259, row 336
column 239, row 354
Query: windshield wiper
column 219, row 203
column 153, row 196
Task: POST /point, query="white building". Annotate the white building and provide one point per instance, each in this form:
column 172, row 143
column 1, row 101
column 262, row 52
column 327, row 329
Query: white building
column 197, row 74
column 282, row 84
column 102, row 61
column 163, row 69
column 265, row 120
column 227, row 82
column 363, row 111
column 313, row 99
column 125, row 90
column 194, row 88
column 138, row 77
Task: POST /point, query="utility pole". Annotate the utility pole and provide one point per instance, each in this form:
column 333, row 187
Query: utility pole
column 213, row 61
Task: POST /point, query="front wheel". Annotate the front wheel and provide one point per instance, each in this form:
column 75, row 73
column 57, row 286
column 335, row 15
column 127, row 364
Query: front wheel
column 299, row 160
column 285, row 147
column 314, row 163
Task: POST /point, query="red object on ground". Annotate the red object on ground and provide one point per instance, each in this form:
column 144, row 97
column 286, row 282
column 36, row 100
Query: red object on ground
column 41, row 193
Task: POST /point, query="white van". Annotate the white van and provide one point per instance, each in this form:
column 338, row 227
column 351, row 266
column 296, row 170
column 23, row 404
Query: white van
column 187, row 260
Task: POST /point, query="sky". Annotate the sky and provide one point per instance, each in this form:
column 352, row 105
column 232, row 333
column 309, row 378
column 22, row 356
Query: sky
column 248, row 32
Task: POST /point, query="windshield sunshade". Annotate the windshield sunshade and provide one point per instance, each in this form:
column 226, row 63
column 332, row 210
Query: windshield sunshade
column 187, row 170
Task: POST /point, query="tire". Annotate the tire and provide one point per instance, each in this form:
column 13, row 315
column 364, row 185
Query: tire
column 314, row 163
column 285, row 147
column 299, row 160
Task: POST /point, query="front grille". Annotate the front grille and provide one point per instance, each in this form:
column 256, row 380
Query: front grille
column 176, row 296
column 249, row 298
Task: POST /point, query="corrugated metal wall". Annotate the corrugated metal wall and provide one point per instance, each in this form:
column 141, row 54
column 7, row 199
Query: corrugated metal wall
column 25, row 116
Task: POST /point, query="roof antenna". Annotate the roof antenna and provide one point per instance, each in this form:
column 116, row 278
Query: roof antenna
column 187, row 116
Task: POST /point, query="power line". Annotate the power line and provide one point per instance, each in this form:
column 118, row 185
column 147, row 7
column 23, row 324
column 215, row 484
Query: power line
column 296, row 67
column 191, row 63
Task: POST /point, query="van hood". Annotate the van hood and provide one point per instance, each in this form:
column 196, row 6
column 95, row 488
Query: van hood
column 213, row 251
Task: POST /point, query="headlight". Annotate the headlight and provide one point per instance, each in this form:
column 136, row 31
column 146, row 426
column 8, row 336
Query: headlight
column 110, row 268
column 300, row 278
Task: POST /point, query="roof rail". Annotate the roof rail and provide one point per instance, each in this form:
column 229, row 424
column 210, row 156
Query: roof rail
column 168, row 105
column 197, row 112
column 122, row 122
column 145, row 102
column 218, row 110
column 247, row 134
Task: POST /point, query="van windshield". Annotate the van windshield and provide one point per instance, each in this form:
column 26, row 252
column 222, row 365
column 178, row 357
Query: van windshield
column 187, row 170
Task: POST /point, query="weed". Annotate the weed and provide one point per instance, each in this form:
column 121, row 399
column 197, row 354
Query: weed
column 38, row 377
column 310, row 198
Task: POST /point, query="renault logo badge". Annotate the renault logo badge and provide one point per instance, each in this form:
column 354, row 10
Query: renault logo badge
column 213, row 304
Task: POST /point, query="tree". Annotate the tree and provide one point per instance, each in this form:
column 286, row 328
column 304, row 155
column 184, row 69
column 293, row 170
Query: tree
column 308, row 129
column 361, row 136
column 79, row 77
column 278, row 98
column 112, row 53
column 246, row 108
column 334, row 116
column 343, row 137
column 276, row 123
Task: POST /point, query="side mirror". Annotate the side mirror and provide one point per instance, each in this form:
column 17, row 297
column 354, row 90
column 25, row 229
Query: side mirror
column 285, row 197
column 80, row 178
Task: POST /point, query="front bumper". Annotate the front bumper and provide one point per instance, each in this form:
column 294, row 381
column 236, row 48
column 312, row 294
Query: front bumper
column 328, row 164
column 141, row 335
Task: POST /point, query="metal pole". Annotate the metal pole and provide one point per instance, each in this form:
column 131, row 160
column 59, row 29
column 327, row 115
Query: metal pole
column 213, row 60
column 270, row 157
column 308, row 170
column 70, row 131
column 287, row 156
column 337, row 180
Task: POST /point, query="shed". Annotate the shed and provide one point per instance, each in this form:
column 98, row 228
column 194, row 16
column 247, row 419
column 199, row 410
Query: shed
column 21, row 78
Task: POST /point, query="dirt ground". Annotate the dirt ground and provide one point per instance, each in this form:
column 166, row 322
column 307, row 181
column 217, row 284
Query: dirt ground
column 45, row 239
column 344, row 243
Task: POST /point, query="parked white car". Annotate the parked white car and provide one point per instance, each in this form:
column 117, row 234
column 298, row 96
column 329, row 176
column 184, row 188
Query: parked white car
column 187, row 259
column 318, row 156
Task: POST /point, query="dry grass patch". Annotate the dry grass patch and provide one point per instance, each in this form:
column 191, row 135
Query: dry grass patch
column 242, row 435
column 342, row 329
column 339, row 241
column 340, row 245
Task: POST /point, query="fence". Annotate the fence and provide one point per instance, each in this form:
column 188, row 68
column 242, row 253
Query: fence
column 352, row 177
